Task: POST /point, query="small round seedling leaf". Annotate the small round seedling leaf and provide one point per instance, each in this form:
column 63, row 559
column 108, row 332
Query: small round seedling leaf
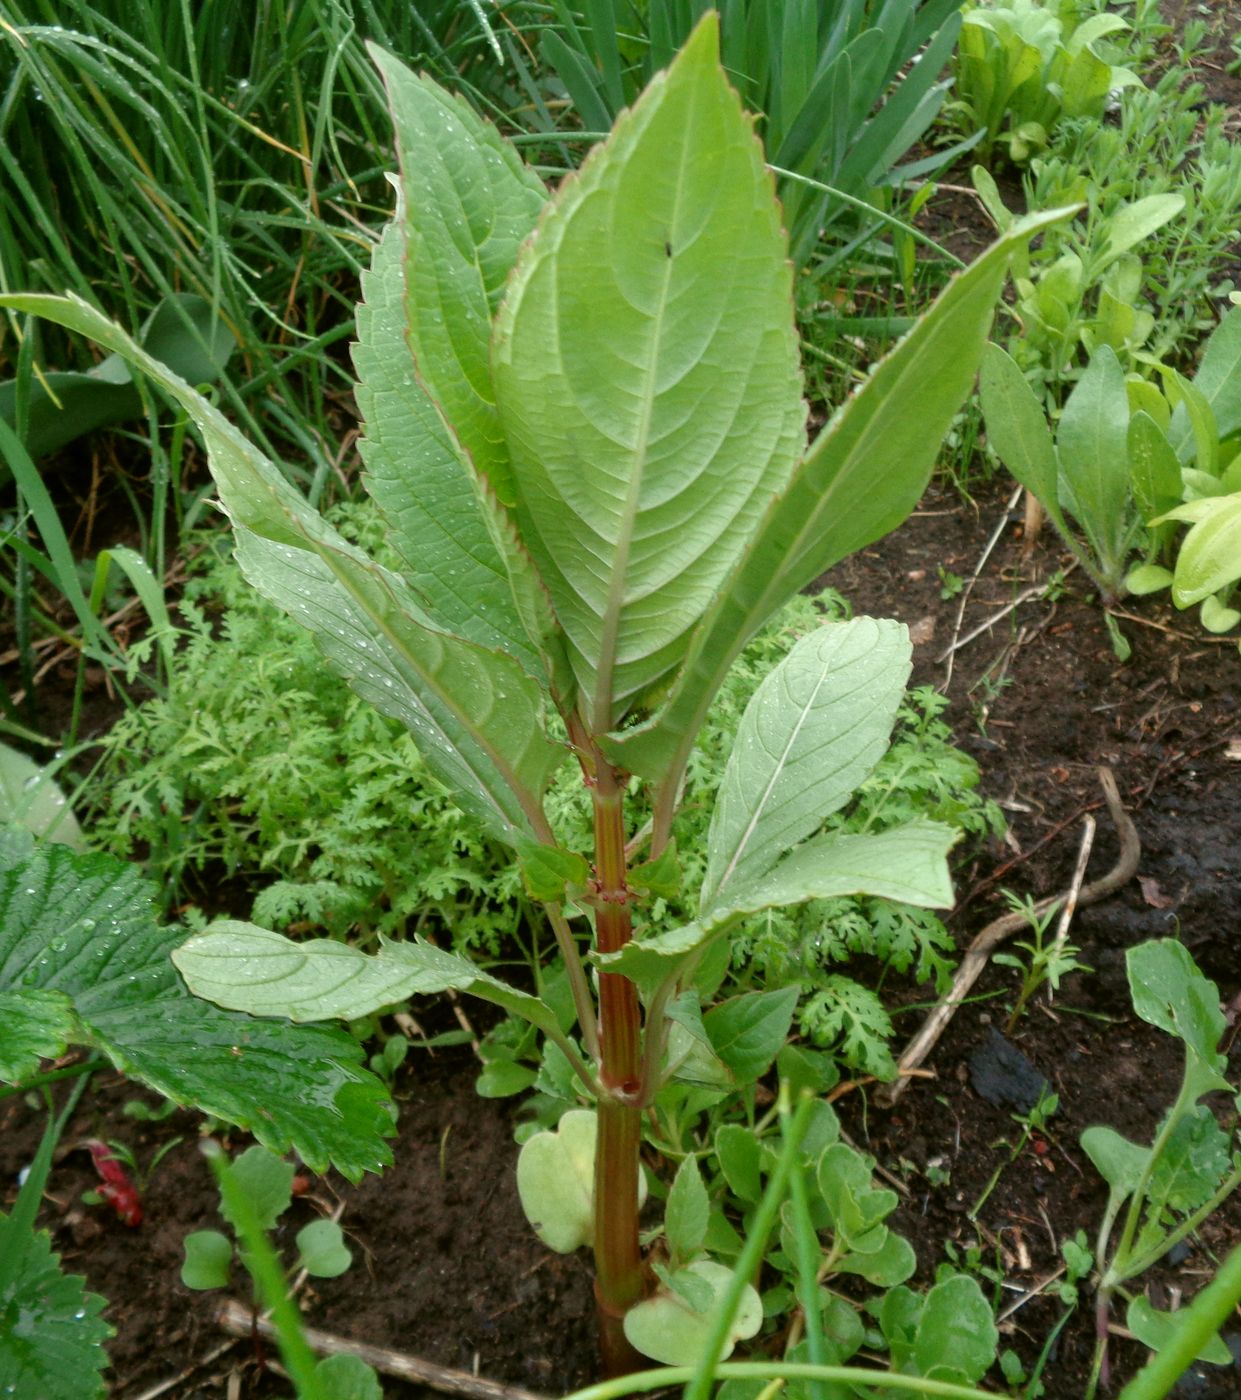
column 208, row 1255
column 555, row 1180
column 956, row 1337
column 322, row 1249
column 347, row 1378
column 667, row 1330
column 267, row 1181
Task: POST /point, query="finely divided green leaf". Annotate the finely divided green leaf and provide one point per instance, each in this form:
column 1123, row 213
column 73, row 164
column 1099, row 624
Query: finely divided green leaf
column 861, row 478
column 812, row 731
column 252, row 969
column 83, row 927
column 646, row 370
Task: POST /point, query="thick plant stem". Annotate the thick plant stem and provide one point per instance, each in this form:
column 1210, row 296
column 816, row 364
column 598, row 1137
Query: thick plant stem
column 618, row 1260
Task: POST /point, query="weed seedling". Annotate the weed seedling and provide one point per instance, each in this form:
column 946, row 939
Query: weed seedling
column 1047, row 959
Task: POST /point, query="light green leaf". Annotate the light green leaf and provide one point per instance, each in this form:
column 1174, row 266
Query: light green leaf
column 1147, row 578
column 346, row 1377
column 1017, row 429
column 957, row 1337
column 208, row 1259
column 267, row 1182
column 322, row 1251
column 1156, row 1329
column 546, row 871
column 1154, row 470
column 740, row 1157
column 813, row 730
column 82, row 928
column 1219, row 380
column 51, row 1331
column 667, row 1330
column 1092, row 443
column 1118, row 1161
column 862, row 477
column 892, row 1263
column 30, row 797
column 1210, row 555
column 34, row 1026
column 476, row 715
column 1131, row 223
column 468, row 204
column 907, row 863
column 747, row 1031
column 252, row 969
column 1168, row 991
column 687, row 1212
column 647, row 375
column 1216, row 616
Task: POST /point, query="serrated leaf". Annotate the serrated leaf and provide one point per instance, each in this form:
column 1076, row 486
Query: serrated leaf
column 208, row 1260
column 687, row 1212
column 748, row 1031
column 647, row 376
column 546, row 871
column 83, row 927
column 860, row 479
column 669, row 1331
column 51, row 1331
column 267, row 1182
column 812, row 731
column 322, row 1251
column 34, row 1026
column 476, row 715
column 252, row 969
column 1192, row 1164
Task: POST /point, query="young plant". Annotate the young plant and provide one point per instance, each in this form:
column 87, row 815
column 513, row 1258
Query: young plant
column 585, row 430
column 1047, row 959
column 1189, row 1170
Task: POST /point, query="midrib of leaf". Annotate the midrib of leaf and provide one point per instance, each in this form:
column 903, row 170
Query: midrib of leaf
column 620, row 559
column 761, row 805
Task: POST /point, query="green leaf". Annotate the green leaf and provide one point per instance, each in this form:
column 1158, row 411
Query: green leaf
column 660, row 877
column 669, row 1331
column 30, row 797
column 862, row 477
column 748, row 1031
column 1191, row 1166
column 501, row 1079
column 687, row 1212
column 1219, row 380
column 1216, row 616
column 252, row 969
column 813, row 730
column 1017, row 428
column 1153, row 468
column 956, row 1338
column 1147, row 578
column 1092, row 443
column 347, row 1377
column 51, row 1331
column 890, row 1264
column 34, row 1026
column 468, row 204
column 907, row 863
column 1168, row 991
column 1132, row 223
column 322, row 1251
column 546, row 871
column 267, row 1182
column 1210, row 554
column 1156, row 1329
column 647, row 374
column 1118, row 1161
column 476, row 715
column 740, row 1157
column 82, row 928
column 208, row 1260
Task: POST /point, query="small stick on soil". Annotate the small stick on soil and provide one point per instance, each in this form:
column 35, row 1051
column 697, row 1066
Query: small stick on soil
column 973, row 579
column 233, row 1317
column 1075, row 889
column 998, row 930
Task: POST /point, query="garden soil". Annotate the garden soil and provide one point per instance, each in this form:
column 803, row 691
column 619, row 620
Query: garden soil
column 445, row 1267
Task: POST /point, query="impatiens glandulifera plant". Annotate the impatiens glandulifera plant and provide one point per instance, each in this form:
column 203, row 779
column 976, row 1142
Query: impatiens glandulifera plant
column 585, row 428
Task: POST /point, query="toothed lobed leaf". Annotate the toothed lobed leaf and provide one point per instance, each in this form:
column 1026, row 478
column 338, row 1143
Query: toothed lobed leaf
column 79, row 932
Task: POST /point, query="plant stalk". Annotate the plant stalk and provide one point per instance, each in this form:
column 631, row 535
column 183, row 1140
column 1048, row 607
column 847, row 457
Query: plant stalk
column 619, row 1281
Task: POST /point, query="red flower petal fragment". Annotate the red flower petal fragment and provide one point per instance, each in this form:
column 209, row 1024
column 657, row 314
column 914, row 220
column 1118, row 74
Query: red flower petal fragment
column 117, row 1189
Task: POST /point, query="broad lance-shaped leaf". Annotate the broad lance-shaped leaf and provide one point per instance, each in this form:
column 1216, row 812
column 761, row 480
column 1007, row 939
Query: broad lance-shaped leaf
column 811, row 733
column 907, row 863
column 252, row 969
column 647, row 376
column 1219, row 380
column 482, row 730
column 432, row 443
column 1093, row 442
column 860, row 479
column 469, row 203
column 80, row 947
